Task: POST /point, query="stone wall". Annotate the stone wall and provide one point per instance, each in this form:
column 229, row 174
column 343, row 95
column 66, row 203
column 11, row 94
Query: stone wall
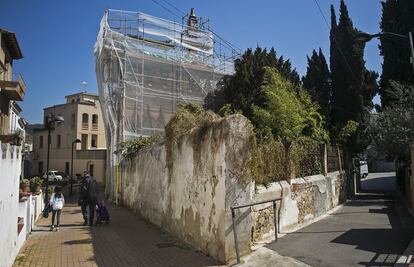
column 187, row 186
column 303, row 200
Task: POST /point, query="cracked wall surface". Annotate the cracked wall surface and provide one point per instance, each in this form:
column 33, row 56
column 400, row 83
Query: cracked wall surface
column 189, row 190
column 303, row 200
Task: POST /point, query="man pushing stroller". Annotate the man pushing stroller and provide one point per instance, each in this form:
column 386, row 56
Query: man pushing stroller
column 88, row 198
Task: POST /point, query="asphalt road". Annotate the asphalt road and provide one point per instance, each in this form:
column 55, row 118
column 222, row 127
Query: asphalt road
column 369, row 231
column 379, row 182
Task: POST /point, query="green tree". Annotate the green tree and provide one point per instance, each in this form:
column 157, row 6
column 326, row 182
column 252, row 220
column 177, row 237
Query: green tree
column 289, row 115
column 397, row 17
column 353, row 86
column 317, row 82
column 242, row 89
column 392, row 129
column 288, row 112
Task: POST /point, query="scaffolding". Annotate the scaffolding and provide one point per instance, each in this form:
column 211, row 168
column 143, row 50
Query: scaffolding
column 146, row 66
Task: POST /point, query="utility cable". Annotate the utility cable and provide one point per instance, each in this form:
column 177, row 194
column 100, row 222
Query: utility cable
column 176, row 8
column 341, row 52
column 165, row 8
column 337, row 44
column 229, row 45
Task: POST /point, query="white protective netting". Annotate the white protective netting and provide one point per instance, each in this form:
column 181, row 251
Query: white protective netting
column 146, row 66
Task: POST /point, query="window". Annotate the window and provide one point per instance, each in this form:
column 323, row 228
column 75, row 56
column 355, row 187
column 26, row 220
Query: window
column 95, row 122
column 95, row 118
column 84, row 141
column 59, row 141
column 41, row 141
column 91, row 169
column 67, row 168
column 40, row 167
column 73, row 120
column 94, row 141
column 85, row 118
column 85, row 121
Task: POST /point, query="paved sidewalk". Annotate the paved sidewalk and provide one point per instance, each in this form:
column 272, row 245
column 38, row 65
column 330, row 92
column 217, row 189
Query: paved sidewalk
column 126, row 241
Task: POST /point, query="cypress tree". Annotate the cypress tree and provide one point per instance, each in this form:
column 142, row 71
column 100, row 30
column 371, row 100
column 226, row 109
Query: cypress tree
column 317, row 82
column 397, row 17
column 353, row 86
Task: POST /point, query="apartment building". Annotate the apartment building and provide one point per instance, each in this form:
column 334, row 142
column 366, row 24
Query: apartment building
column 82, row 120
column 12, row 86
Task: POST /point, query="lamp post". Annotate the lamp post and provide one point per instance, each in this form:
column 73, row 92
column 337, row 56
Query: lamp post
column 76, row 141
column 366, row 37
column 49, row 121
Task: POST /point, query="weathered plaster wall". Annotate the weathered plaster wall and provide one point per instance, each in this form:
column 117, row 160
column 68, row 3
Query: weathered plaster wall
column 303, row 200
column 10, row 157
column 188, row 186
column 28, row 208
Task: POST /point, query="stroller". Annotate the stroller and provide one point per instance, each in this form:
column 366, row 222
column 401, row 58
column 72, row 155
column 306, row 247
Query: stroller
column 102, row 214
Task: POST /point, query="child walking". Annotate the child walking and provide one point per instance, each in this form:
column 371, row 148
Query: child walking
column 57, row 201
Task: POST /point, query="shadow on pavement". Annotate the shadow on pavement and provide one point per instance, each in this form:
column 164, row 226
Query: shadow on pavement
column 372, row 230
column 386, row 243
column 78, row 242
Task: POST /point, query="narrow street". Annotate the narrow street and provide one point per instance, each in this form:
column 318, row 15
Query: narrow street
column 372, row 230
column 126, row 241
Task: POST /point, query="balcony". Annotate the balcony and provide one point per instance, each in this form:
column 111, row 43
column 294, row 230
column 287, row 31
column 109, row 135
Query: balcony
column 85, row 126
column 15, row 89
column 94, row 126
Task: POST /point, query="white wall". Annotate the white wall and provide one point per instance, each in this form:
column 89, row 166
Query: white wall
column 10, row 167
column 188, row 187
column 10, row 207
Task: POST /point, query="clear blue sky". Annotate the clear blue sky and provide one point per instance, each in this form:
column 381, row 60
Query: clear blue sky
column 57, row 37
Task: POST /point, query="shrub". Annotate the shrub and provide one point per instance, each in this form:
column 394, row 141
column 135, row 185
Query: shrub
column 270, row 161
column 187, row 117
column 130, row 148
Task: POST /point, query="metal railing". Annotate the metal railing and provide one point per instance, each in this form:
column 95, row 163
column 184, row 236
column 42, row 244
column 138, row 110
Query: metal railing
column 233, row 215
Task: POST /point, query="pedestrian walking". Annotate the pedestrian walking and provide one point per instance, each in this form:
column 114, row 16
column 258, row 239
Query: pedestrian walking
column 83, row 200
column 57, row 201
column 91, row 188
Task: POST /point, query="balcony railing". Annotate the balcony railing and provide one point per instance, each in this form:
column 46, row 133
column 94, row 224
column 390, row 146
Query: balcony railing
column 94, row 126
column 85, row 126
column 14, row 89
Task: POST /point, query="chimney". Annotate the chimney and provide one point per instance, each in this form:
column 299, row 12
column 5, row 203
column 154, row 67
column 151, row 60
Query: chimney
column 192, row 19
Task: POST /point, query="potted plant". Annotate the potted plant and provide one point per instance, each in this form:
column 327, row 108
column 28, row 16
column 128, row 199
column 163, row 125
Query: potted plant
column 25, row 186
column 35, row 184
column 48, row 190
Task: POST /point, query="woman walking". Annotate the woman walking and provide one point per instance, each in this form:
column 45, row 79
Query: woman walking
column 57, row 201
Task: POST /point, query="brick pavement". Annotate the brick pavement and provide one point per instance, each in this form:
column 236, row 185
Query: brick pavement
column 126, row 241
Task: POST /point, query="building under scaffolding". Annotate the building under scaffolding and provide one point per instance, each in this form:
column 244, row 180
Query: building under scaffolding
column 146, row 66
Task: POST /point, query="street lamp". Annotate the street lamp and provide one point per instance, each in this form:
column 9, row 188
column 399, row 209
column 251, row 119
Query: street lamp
column 366, row 37
column 49, row 121
column 76, row 141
